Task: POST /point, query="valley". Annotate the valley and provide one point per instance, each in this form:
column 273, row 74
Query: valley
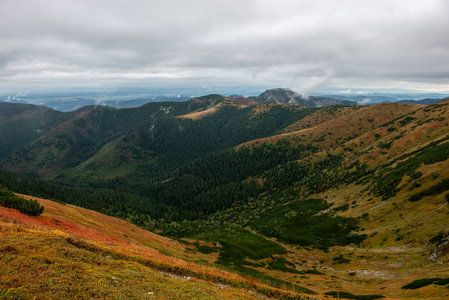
column 247, row 199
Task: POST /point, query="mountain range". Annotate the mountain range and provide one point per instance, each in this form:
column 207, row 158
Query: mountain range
column 325, row 199
column 70, row 101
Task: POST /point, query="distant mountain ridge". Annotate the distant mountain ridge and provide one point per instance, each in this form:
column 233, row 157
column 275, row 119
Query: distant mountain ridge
column 66, row 102
column 423, row 101
column 372, row 99
column 277, row 95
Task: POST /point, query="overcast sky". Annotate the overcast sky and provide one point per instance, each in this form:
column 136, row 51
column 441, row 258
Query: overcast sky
column 303, row 45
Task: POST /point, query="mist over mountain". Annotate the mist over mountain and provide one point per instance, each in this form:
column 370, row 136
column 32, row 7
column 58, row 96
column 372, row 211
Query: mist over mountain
column 70, row 101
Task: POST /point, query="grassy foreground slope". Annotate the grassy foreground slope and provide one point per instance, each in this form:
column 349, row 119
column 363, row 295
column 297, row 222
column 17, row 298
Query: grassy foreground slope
column 70, row 252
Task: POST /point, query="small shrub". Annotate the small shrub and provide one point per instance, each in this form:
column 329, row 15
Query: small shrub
column 313, row 271
column 206, row 249
column 345, row 295
column 383, row 145
column 344, row 207
column 420, row 283
column 28, row 207
column 416, row 175
column 435, row 175
column 442, row 281
column 340, row 260
column 407, row 120
column 436, row 189
column 439, row 238
column 416, row 197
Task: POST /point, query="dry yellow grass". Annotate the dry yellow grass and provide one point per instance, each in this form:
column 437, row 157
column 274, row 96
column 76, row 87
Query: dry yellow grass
column 200, row 114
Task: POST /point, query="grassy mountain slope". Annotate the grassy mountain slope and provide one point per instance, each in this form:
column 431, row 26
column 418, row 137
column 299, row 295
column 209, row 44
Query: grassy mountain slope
column 71, row 252
column 394, row 179
column 334, row 125
column 21, row 124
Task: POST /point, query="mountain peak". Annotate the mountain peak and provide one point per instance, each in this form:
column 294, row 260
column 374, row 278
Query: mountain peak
column 285, row 95
column 278, row 95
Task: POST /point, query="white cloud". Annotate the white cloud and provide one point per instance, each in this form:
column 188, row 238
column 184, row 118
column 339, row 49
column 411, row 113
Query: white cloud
column 314, row 83
column 346, row 92
column 253, row 43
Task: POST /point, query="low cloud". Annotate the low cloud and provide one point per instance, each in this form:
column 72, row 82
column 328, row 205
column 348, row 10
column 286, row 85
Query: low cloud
column 314, row 83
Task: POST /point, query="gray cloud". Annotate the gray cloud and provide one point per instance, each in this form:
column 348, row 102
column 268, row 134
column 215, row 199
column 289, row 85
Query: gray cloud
column 214, row 43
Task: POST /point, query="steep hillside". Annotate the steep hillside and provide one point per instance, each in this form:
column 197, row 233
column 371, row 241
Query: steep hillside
column 332, row 126
column 69, row 252
column 79, row 137
column 21, row 124
column 99, row 143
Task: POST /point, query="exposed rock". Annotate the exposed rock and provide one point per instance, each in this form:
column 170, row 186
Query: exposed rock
column 440, row 250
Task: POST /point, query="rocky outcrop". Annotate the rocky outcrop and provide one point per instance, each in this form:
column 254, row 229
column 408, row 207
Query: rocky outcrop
column 440, row 250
